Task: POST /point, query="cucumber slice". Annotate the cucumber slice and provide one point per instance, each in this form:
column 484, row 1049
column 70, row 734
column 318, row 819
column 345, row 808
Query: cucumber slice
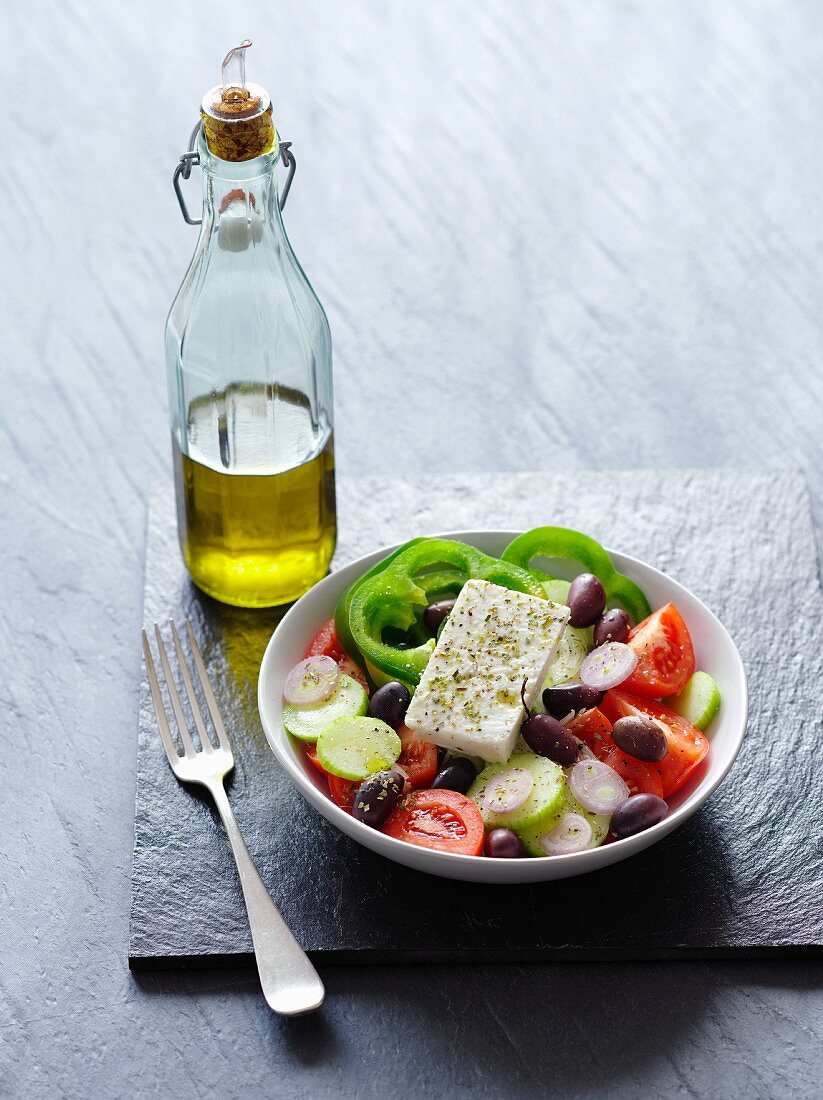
column 575, row 645
column 575, row 642
column 380, row 677
column 545, row 797
column 556, row 590
column 699, row 700
column 307, row 723
column 568, row 804
column 354, row 748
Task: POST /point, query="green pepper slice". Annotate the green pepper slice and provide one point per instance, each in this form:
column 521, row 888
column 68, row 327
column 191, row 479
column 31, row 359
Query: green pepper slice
column 341, row 612
column 394, row 593
column 569, row 545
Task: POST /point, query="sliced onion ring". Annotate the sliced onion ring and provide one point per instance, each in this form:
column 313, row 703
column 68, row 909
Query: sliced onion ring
column 608, row 665
column 404, row 775
column 507, row 791
column 597, row 787
column 311, row 681
column 573, row 833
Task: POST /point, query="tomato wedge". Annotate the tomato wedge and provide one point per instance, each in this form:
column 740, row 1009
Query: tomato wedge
column 341, row 791
column 639, row 777
column 325, row 643
column 665, row 657
column 687, row 745
column 419, row 758
column 445, row 821
column 593, row 727
column 313, row 758
column 348, row 666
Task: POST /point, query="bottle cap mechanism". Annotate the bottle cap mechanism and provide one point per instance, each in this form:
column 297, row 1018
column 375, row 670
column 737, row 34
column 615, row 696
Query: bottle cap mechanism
column 236, row 120
column 237, row 117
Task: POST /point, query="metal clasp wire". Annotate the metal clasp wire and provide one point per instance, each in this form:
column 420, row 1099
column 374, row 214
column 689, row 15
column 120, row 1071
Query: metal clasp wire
column 191, row 157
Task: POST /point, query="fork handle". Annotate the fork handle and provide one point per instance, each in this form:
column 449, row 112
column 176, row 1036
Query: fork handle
column 290, row 983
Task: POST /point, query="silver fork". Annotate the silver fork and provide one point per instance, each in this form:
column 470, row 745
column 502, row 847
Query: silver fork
column 290, row 983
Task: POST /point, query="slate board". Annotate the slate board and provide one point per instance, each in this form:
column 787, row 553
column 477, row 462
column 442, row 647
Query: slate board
column 742, row 877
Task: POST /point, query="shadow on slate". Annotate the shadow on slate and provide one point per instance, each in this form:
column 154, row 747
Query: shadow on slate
column 742, row 877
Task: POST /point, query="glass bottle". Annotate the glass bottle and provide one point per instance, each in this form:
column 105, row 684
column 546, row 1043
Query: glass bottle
column 248, row 354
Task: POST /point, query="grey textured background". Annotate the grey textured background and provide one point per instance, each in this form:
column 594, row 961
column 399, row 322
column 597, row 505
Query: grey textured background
column 721, row 882
column 562, row 235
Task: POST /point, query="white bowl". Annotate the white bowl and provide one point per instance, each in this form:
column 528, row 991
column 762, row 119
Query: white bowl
column 715, row 652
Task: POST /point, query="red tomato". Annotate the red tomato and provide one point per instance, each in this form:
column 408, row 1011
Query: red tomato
column 665, row 657
column 419, row 758
column 593, row 727
column 325, row 643
column 342, row 791
column 687, row 745
column 443, row 820
column 314, row 759
column 348, row 666
column 640, row 778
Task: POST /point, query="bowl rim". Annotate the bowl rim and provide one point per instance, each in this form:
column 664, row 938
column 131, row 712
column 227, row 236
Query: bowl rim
column 350, row 826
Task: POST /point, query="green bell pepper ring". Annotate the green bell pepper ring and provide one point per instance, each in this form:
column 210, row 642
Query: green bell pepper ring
column 569, row 545
column 396, row 595
column 341, row 612
column 435, row 583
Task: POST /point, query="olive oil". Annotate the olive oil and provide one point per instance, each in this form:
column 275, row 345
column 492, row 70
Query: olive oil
column 255, row 534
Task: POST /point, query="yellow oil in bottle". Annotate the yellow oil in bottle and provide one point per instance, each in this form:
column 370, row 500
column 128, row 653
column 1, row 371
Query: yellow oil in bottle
column 255, row 533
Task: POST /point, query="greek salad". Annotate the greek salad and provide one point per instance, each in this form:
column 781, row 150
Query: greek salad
column 482, row 706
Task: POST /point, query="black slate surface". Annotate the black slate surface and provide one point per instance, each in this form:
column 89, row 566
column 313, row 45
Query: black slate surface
column 743, row 876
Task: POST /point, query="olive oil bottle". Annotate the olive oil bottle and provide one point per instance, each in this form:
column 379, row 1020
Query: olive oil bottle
column 248, row 353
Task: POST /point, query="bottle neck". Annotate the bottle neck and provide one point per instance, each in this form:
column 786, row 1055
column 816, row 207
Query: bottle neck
column 240, row 199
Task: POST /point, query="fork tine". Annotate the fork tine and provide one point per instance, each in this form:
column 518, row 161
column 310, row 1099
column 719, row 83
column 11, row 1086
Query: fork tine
column 177, row 707
column 159, row 708
column 194, row 703
column 208, row 694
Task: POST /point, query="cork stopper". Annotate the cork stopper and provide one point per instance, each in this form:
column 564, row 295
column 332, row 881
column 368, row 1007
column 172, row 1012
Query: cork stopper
column 237, row 116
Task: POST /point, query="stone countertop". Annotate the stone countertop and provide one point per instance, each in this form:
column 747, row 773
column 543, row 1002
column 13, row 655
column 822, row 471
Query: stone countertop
column 567, row 236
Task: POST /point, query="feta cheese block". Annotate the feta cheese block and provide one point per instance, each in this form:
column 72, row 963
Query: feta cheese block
column 468, row 699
